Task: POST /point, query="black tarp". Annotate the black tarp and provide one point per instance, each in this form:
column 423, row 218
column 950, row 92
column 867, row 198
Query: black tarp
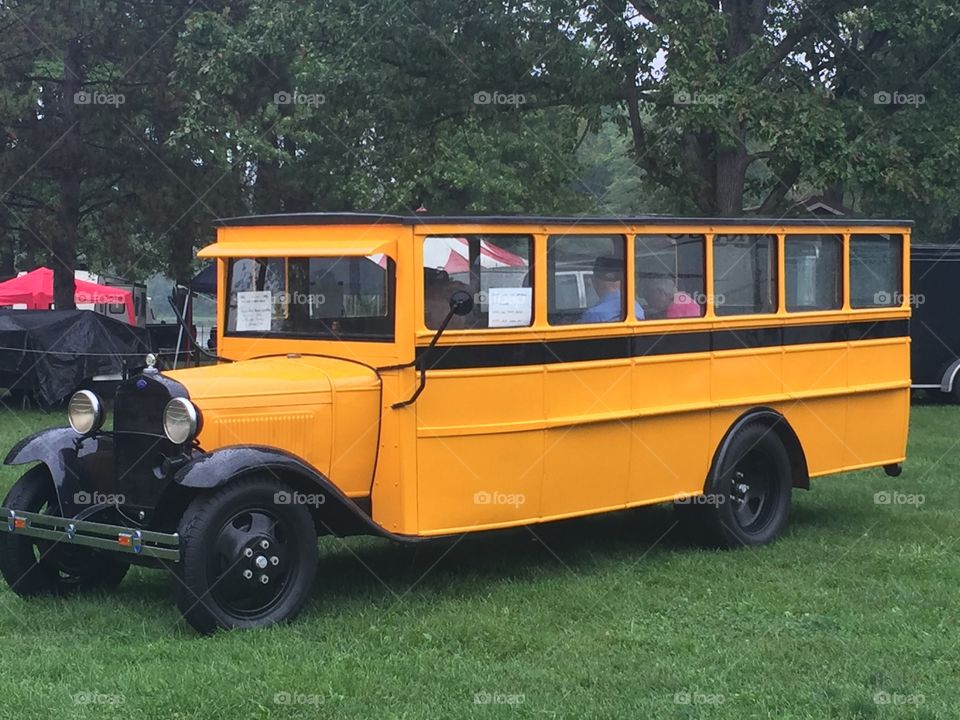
column 50, row 353
column 205, row 281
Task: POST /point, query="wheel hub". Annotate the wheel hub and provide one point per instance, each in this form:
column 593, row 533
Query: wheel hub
column 749, row 495
column 251, row 563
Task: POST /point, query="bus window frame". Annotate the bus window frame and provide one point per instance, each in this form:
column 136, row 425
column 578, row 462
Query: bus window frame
column 904, row 275
column 843, row 239
column 629, row 282
column 777, row 236
column 479, row 334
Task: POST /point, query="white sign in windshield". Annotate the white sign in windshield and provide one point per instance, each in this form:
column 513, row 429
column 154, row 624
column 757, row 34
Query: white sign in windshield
column 254, row 310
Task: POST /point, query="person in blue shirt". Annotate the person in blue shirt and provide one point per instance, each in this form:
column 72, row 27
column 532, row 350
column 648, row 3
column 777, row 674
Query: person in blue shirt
column 608, row 276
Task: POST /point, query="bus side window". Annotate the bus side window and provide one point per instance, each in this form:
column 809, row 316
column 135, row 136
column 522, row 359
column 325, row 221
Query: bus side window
column 745, row 274
column 496, row 269
column 670, row 275
column 876, row 269
column 599, row 261
column 814, row 270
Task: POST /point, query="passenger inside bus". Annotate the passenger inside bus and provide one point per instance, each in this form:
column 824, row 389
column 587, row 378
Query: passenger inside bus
column 663, row 300
column 437, row 289
column 608, row 276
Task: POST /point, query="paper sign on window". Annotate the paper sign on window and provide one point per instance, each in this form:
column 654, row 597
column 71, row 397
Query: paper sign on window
column 254, row 311
column 509, row 306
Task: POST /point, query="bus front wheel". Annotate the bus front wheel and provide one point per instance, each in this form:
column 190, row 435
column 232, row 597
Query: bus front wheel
column 751, row 497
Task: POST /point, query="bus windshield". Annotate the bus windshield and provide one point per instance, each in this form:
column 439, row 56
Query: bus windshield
column 350, row 298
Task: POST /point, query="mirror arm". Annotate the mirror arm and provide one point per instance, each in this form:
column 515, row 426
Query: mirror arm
column 421, row 362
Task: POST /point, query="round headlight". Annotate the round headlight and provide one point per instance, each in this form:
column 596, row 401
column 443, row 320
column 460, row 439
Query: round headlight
column 180, row 421
column 85, row 412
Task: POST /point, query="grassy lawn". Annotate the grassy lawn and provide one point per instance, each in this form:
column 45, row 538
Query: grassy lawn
column 853, row 614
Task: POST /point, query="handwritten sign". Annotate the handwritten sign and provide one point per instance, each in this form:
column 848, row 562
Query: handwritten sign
column 254, row 311
column 510, row 306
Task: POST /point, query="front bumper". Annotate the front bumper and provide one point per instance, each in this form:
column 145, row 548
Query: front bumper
column 145, row 543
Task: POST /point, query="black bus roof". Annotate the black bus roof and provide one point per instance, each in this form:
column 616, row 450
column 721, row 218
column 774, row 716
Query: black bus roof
column 324, row 218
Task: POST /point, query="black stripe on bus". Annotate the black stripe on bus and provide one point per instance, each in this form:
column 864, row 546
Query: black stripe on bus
column 454, row 357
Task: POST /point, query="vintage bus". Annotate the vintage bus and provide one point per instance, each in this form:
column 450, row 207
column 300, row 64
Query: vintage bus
column 422, row 377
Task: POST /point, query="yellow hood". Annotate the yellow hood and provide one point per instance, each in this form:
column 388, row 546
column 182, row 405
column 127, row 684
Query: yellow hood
column 287, row 380
column 323, row 410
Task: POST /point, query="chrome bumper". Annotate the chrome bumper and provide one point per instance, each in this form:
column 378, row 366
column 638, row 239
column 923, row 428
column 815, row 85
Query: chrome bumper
column 91, row 534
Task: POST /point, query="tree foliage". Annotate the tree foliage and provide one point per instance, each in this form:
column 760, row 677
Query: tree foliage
column 630, row 106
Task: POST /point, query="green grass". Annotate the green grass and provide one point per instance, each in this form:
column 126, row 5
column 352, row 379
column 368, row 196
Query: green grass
column 613, row 617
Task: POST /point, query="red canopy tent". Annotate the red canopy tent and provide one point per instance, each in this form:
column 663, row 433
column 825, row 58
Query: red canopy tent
column 35, row 290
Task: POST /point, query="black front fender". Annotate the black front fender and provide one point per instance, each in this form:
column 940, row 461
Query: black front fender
column 64, row 453
column 334, row 512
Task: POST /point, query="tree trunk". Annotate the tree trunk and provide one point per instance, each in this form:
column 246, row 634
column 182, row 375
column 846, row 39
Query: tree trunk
column 181, row 252
column 7, row 266
column 64, row 242
column 731, row 173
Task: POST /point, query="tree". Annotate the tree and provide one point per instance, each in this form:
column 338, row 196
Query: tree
column 735, row 105
column 439, row 102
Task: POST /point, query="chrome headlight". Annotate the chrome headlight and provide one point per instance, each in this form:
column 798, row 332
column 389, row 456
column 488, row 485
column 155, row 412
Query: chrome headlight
column 180, row 421
column 85, row 412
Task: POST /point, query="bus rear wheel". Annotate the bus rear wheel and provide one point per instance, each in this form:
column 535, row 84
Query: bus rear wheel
column 751, row 498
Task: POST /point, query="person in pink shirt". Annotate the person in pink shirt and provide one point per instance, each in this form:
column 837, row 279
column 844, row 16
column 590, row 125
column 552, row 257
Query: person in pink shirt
column 663, row 300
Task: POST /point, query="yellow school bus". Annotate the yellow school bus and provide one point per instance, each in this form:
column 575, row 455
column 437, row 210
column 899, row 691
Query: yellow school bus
column 419, row 377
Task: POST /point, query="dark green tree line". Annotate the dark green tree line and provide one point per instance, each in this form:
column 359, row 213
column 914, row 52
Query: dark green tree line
column 128, row 125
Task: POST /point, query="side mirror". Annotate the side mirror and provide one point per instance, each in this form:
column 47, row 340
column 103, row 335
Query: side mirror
column 461, row 303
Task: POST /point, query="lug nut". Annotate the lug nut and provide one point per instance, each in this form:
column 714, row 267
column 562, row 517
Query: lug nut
column 247, row 574
column 261, row 562
column 274, row 560
column 264, row 544
column 248, row 553
column 264, row 579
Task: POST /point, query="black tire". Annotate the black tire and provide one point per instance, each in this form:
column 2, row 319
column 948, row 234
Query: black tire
column 216, row 531
column 749, row 504
column 40, row 567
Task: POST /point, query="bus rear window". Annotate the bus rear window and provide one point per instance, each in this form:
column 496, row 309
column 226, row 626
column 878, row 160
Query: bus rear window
column 876, row 271
column 350, row 298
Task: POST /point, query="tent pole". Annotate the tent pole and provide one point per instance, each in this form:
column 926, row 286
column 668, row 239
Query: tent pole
column 176, row 355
